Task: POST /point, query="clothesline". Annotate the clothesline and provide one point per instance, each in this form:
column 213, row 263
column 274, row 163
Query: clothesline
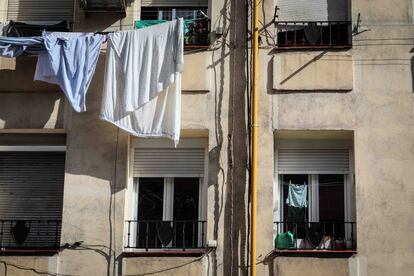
column 140, row 64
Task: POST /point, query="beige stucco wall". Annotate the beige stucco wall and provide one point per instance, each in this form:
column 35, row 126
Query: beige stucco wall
column 197, row 72
column 163, row 266
column 378, row 109
column 285, row 266
column 25, row 266
column 313, row 71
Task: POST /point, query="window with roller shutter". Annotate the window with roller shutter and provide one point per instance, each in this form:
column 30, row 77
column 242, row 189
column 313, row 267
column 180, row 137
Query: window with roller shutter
column 40, row 11
column 313, row 24
column 31, row 194
column 319, row 173
column 167, row 196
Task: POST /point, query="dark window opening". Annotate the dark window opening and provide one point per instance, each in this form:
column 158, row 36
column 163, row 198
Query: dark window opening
column 168, row 215
column 21, row 29
column 314, row 34
column 321, row 224
column 186, row 194
column 150, row 208
column 197, row 25
column 331, row 204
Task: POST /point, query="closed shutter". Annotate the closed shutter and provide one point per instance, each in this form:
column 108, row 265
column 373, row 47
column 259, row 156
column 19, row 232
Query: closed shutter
column 178, row 3
column 168, row 162
column 313, row 161
column 40, row 10
column 31, row 185
column 312, row 10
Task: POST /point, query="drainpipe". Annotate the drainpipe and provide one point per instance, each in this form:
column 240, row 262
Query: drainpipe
column 255, row 127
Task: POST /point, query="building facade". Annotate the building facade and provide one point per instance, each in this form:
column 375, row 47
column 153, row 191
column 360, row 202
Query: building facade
column 79, row 196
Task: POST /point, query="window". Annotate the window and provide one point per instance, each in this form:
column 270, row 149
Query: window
column 195, row 20
column 38, row 12
column 167, row 197
column 20, row 29
column 319, row 23
column 315, row 196
column 31, row 18
column 168, row 212
column 31, row 193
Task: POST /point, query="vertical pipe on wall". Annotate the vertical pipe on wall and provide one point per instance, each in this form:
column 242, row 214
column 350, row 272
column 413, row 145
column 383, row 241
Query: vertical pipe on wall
column 255, row 126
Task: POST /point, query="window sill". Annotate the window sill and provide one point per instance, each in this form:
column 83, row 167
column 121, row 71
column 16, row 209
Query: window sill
column 190, row 47
column 28, row 252
column 166, row 253
column 312, row 47
column 313, row 253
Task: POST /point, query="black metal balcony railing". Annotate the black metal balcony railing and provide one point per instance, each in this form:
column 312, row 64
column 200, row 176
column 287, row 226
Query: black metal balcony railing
column 334, row 236
column 155, row 234
column 313, row 34
column 30, row 234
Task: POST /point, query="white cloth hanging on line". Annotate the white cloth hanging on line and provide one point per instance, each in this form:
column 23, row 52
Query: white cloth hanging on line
column 142, row 87
column 70, row 61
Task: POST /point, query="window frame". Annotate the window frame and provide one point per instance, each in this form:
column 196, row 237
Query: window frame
column 313, row 196
column 161, row 9
column 132, row 190
column 322, row 22
column 313, row 213
column 37, row 148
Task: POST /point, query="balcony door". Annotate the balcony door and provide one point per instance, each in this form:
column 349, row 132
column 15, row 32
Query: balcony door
column 169, row 207
column 167, row 196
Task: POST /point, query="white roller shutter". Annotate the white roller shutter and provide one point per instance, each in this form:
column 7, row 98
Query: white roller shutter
column 31, row 185
column 178, row 3
column 40, row 10
column 313, row 161
column 168, row 162
column 312, row 10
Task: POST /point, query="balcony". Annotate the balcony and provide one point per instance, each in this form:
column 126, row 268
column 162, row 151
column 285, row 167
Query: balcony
column 315, row 34
column 315, row 237
column 157, row 235
column 28, row 235
column 196, row 22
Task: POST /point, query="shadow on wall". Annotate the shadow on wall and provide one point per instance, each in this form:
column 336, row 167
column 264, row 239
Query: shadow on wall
column 32, row 110
column 235, row 257
column 17, row 74
column 97, row 16
column 412, row 72
column 217, row 176
column 94, row 146
column 96, row 159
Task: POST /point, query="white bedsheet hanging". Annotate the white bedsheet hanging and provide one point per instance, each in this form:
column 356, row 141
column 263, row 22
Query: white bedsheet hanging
column 142, row 87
